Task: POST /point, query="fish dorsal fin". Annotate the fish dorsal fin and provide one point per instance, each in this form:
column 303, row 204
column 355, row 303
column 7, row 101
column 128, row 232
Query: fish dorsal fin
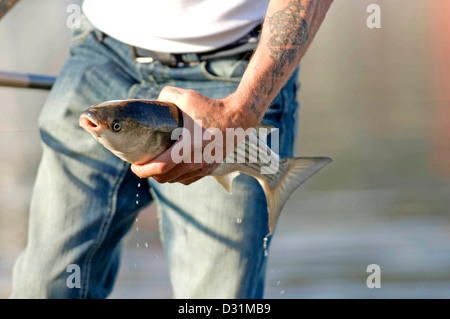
column 226, row 180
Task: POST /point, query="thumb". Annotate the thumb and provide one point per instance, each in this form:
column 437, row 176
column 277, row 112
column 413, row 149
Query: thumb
column 181, row 98
column 174, row 95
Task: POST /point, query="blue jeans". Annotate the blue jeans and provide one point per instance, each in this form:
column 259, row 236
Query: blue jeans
column 84, row 198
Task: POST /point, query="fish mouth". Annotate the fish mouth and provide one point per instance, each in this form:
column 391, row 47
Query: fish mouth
column 89, row 122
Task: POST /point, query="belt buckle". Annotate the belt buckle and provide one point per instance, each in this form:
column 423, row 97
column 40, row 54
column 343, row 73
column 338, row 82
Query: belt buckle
column 140, row 59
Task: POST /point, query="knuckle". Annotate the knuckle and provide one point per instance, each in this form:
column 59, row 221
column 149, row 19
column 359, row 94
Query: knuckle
column 166, row 90
column 168, row 93
column 190, row 93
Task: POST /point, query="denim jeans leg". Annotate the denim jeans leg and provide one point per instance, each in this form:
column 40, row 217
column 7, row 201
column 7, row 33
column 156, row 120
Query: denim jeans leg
column 84, row 197
column 215, row 242
column 80, row 204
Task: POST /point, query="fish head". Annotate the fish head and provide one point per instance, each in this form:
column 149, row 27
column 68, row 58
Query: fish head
column 134, row 130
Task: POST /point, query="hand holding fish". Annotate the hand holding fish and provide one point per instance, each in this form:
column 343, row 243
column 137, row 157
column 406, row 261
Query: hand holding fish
column 199, row 114
column 284, row 40
column 141, row 131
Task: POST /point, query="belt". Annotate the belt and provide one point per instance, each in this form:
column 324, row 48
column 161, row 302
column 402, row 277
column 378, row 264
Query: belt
column 242, row 48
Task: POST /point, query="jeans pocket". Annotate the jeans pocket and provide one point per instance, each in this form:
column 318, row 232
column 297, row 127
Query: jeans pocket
column 229, row 70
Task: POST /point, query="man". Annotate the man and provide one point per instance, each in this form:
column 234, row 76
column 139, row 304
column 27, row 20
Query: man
column 194, row 54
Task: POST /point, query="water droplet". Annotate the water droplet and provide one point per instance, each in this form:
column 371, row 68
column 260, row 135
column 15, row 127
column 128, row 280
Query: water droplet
column 137, row 195
column 265, row 246
column 137, row 202
column 146, row 245
column 137, row 245
column 136, row 220
column 282, row 292
column 239, row 220
column 139, row 184
column 137, row 228
column 278, row 283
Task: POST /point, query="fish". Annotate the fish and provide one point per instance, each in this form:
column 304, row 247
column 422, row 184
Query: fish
column 138, row 130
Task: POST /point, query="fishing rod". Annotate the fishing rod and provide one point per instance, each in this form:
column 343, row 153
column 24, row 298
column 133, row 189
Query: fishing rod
column 26, row 80
column 17, row 79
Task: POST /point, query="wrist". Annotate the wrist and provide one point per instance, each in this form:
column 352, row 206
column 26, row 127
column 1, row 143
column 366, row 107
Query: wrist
column 249, row 102
column 239, row 107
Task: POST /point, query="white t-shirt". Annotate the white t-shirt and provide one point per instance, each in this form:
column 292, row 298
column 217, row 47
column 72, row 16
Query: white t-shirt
column 176, row 25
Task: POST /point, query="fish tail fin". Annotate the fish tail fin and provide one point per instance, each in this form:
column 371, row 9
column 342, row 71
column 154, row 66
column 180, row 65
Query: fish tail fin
column 292, row 173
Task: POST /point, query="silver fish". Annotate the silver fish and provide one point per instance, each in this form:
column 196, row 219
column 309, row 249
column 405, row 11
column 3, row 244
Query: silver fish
column 139, row 130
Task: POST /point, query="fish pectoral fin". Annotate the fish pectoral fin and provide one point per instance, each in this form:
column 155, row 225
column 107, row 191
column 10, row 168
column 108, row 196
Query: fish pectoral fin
column 226, row 180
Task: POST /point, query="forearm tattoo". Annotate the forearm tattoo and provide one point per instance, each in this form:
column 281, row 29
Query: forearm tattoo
column 289, row 34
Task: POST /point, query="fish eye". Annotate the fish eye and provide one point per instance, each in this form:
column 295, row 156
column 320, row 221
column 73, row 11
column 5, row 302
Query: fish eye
column 116, row 126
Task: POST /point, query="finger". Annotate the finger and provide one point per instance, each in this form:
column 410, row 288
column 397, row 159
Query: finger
column 177, row 173
column 205, row 170
column 186, row 176
column 191, row 180
column 160, row 165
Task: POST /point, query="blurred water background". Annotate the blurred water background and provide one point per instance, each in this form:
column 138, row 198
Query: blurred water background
column 375, row 100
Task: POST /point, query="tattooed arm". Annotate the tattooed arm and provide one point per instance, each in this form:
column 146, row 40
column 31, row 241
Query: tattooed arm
column 288, row 29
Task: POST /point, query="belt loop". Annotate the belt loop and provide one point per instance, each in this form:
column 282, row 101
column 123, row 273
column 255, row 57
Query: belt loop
column 99, row 35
